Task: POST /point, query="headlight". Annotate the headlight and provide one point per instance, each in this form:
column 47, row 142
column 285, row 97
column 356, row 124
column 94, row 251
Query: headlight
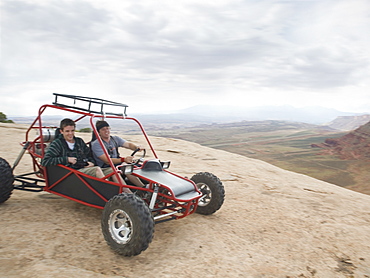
column 165, row 164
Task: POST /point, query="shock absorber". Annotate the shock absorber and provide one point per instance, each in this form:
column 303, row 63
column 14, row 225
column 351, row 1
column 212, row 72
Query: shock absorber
column 154, row 196
column 25, row 147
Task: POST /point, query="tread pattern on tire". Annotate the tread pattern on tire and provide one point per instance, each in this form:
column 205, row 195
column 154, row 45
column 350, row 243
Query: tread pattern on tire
column 6, row 180
column 142, row 220
column 217, row 188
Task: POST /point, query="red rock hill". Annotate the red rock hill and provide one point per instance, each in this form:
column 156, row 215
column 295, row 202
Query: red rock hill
column 354, row 145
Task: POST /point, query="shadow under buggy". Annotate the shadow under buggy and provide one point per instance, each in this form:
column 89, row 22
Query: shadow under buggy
column 128, row 218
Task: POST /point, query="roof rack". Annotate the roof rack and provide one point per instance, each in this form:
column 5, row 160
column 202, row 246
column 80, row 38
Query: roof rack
column 89, row 101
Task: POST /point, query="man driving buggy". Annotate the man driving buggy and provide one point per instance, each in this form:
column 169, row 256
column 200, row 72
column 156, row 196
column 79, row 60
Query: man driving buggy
column 112, row 143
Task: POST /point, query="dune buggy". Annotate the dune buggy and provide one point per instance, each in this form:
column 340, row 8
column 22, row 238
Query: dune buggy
column 128, row 219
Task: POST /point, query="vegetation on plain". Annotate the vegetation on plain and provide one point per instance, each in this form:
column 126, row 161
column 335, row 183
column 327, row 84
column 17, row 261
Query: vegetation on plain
column 287, row 146
column 3, row 118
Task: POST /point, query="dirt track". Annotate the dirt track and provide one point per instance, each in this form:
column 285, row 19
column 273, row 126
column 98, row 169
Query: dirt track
column 274, row 223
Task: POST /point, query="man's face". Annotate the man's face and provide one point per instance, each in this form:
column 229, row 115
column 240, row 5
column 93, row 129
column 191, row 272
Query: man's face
column 104, row 132
column 68, row 133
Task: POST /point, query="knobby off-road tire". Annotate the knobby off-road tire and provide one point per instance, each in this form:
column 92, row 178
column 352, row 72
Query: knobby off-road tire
column 213, row 192
column 6, row 180
column 127, row 224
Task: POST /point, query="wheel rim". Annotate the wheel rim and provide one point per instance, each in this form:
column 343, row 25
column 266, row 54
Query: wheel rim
column 120, row 226
column 207, row 194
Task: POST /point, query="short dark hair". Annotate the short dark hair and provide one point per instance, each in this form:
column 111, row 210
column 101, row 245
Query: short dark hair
column 100, row 124
column 66, row 122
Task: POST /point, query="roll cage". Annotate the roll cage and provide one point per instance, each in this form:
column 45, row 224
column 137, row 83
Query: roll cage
column 168, row 195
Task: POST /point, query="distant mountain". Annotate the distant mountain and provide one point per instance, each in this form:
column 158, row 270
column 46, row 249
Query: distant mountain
column 348, row 123
column 354, row 145
column 312, row 114
column 229, row 135
column 208, row 114
column 150, row 122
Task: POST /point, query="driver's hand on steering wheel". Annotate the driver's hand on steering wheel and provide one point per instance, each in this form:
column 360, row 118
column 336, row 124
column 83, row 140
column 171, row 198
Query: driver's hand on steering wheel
column 139, row 148
column 129, row 159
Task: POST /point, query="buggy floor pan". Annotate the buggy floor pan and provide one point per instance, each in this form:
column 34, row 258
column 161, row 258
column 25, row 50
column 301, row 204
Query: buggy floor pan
column 181, row 188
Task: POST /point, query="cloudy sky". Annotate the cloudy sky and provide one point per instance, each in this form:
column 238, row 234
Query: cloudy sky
column 167, row 55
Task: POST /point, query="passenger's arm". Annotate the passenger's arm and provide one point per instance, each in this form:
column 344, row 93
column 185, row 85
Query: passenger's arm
column 53, row 155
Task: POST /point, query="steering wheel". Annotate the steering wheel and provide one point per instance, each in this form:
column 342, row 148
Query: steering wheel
column 141, row 159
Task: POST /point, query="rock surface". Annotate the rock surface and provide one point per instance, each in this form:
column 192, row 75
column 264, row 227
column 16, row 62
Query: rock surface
column 274, row 223
column 348, row 123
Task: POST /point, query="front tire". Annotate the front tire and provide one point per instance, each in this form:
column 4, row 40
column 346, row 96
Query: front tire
column 6, row 180
column 127, row 224
column 213, row 192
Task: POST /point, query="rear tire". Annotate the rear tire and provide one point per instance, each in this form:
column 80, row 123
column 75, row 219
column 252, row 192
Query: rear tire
column 127, row 224
column 213, row 192
column 6, row 180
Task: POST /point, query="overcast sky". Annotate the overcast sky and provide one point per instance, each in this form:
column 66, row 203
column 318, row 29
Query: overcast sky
column 168, row 55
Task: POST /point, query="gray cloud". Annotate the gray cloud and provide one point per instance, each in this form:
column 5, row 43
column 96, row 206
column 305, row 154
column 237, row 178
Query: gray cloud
column 188, row 48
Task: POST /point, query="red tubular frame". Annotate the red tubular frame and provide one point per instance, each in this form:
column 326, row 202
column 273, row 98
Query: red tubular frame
column 183, row 207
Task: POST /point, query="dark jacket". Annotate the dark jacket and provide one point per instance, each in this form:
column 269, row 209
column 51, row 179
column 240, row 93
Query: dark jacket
column 58, row 153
